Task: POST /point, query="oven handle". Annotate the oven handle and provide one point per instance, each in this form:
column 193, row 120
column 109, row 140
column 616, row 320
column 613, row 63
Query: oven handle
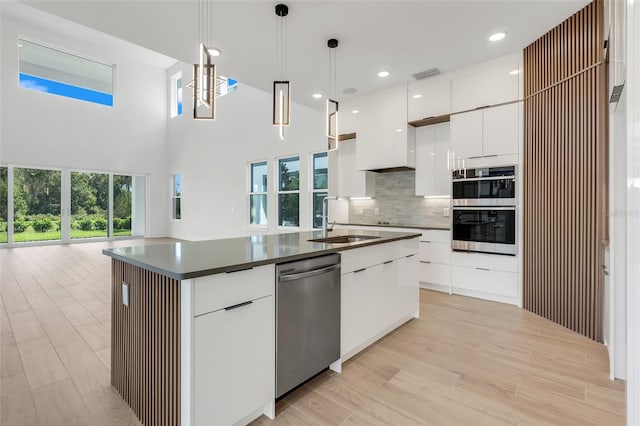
column 476, row 208
column 512, row 177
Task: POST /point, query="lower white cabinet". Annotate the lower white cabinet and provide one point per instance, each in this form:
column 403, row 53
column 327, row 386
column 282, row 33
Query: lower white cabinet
column 435, row 260
column 486, row 276
column 234, row 362
column 379, row 297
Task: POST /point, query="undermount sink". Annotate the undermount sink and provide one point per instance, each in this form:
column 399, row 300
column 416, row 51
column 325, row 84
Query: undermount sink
column 343, row 239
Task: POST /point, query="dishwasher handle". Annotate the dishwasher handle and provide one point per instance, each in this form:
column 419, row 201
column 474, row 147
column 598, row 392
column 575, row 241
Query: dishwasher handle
column 312, row 273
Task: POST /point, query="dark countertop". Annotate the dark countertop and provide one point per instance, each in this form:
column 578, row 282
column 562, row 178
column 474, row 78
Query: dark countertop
column 191, row 259
column 395, row 225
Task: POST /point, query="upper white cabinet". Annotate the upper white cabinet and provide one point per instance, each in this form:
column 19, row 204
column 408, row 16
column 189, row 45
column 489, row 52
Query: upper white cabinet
column 486, row 132
column 432, row 145
column 384, row 138
column 351, row 181
column 430, row 97
column 488, row 83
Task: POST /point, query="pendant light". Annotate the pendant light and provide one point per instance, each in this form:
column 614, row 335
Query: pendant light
column 204, row 72
column 281, row 87
column 332, row 104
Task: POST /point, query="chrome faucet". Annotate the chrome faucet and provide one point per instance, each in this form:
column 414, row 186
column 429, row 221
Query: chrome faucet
column 325, row 205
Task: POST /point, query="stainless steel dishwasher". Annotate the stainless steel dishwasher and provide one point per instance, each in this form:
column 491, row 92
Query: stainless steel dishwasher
column 307, row 319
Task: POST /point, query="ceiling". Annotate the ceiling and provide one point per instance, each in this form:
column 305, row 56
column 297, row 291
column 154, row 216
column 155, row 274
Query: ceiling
column 403, row 37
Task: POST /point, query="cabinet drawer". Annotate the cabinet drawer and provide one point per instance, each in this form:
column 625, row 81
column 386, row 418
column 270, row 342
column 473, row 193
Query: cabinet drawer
column 496, row 262
column 435, row 252
column 407, row 247
column 435, row 273
column 218, row 291
column 486, row 281
column 364, row 257
column 436, row 235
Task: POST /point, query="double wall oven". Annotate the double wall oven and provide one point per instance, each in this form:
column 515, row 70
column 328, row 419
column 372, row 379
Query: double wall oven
column 484, row 210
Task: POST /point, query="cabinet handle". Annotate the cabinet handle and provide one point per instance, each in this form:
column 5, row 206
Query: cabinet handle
column 239, row 305
column 425, row 241
column 424, row 261
column 483, row 269
column 239, row 270
column 477, row 156
column 359, row 270
column 411, row 255
column 387, row 262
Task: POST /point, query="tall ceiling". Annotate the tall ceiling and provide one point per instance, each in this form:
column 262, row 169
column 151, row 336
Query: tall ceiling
column 403, row 37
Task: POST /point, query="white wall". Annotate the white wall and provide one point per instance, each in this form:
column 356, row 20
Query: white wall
column 633, row 214
column 213, row 158
column 39, row 129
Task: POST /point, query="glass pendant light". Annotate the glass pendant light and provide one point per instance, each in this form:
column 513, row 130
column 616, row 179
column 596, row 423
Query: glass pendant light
column 281, row 87
column 332, row 104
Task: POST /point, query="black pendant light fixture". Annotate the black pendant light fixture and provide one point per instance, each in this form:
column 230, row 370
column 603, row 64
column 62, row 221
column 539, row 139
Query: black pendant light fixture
column 281, row 86
column 204, row 72
column 332, row 103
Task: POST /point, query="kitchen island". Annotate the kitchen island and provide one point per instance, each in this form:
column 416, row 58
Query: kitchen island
column 193, row 323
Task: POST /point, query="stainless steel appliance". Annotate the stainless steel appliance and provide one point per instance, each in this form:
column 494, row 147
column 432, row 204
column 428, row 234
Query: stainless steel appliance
column 484, row 229
column 491, row 186
column 307, row 319
column 484, row 210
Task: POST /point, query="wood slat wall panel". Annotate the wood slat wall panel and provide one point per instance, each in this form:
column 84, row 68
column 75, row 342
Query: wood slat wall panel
column 145, row 343
column 565, row 172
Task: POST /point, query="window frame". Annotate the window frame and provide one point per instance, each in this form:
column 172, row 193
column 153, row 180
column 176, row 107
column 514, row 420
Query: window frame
column 175, row 111
column 278, row 191
column 312, row 188
column 175, row 197
column 78, row 54
column 250, row 192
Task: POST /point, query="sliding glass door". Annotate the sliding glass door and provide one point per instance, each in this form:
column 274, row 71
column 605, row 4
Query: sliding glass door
column 36, row 204
column 63, row 205
column 89, row 205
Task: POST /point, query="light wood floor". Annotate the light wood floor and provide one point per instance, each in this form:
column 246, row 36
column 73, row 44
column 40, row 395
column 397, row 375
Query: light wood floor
column 465, row 361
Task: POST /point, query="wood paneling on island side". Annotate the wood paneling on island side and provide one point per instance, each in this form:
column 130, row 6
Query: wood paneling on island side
column 565, row 178
column 145, row 343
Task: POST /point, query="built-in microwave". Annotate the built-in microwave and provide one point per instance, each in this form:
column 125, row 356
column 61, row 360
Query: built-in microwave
column 484, row 229
column 490, row 186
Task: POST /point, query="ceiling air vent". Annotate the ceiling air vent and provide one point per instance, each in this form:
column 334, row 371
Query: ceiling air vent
column 426, row 73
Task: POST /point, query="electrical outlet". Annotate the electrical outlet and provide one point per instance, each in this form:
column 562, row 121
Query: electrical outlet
column 376, row 212
column 125, row 293
column 445, row 212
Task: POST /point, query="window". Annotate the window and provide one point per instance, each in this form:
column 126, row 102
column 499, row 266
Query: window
column 4, row 204
column 52, row 71
column 176, row 195
column 176, row 95
column 258, row 194
column 289, row 191
column 320, row 186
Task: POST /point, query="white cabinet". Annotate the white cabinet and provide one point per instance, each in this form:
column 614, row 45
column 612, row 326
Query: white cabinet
column 500, row 130
column 432, row 149
column 351, row 181
column 488, row 83
column 378, row 297
column 430, row 97
column 486, row 132
column 486, row 276
column 435, row 260
column 233, row 345
column 385, row 140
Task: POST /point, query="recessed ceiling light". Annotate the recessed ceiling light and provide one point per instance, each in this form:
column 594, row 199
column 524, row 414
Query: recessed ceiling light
column 417, row 96
column 497, row 36
column 355, row 111
column 399, row 130
column 215, row 51
column 317, row 95
column 514, row 72
column 383, row 74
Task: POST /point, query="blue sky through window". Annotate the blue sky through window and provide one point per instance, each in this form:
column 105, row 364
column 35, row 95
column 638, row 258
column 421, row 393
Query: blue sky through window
column 43, row 85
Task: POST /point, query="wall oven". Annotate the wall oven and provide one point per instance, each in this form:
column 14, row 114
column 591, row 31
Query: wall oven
column 491, row 186
column 484, row 210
